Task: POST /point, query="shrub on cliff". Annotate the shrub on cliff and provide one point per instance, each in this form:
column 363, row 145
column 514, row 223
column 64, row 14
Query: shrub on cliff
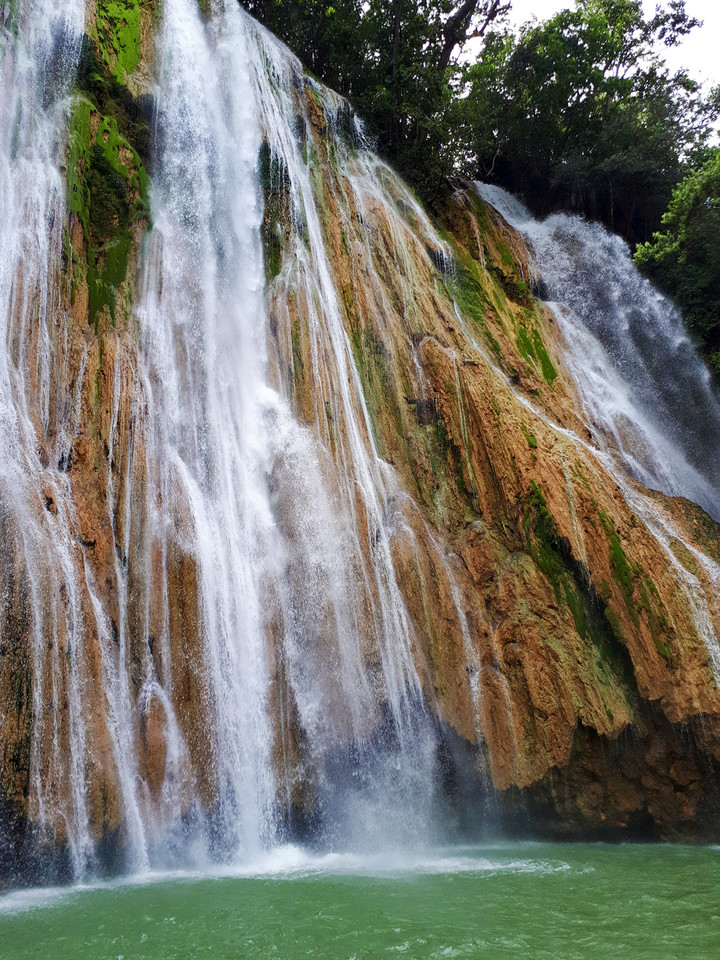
column 683, row 258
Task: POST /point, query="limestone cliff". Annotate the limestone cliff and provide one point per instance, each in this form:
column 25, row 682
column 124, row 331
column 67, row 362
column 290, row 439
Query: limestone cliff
column 564, row 641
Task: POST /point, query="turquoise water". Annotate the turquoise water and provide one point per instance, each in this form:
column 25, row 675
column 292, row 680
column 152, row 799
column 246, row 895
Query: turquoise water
column 519, row 901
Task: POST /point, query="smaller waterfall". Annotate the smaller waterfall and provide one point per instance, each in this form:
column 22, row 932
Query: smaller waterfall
column 647, row 395
column 649, row 401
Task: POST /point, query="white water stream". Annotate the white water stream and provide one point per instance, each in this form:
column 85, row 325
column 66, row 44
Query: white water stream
column 297, row 619
column 39, row 46
column 649, row 401
column 648, row 397
column 275, row 528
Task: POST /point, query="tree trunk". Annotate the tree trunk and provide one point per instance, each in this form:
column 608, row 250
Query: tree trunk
column 457, row 27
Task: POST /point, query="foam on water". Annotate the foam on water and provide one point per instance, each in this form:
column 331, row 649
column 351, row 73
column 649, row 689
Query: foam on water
column 293, row 863
column 22, row 900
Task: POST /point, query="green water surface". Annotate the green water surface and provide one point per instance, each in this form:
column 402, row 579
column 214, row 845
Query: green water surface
column 520, row 901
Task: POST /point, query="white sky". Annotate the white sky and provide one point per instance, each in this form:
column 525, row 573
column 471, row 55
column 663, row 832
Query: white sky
column 699, row 53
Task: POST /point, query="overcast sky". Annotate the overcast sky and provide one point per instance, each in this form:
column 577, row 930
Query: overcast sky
column 699, row 53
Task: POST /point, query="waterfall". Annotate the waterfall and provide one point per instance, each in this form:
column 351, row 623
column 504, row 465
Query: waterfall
column 254, row 588
column 250, row 551
column 649, row 402
column 648, row 397
column 295, row 616
column 39, row 46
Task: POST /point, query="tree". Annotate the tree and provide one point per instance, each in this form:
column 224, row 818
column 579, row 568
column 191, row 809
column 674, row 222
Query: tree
column 581, row 112
column 469, row 21
column 684, row 260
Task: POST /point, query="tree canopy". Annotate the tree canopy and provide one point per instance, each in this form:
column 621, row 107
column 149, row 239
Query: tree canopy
column 395, row 61
column 581, row 112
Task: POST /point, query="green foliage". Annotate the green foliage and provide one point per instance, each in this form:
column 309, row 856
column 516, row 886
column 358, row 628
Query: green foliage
column 531, row 348
column 107, row 197
column 108, row 184
column 9, row 16
column 113, row 99
column 683, row 258
column 622, row 570
column 581, row 112
column 100, row 195
column 371, row 361
column 466, row 289
column 546, row 365
column 273, row 179
column 543, row 539
column 578, row 112
column 650, row 603
column 109, row 210
column 530, row 437
column 78, row 147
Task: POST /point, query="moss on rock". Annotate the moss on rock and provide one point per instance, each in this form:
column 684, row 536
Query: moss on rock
column 108, row 146
column 118, row 30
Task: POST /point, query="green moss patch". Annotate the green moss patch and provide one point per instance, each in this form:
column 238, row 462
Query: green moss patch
column 118, row 28
column 107, row 173
column 651, row 605
column 468, row 292
column 275, row 184
column 594, row 619
column 623, row 572
column 542, row 538
column 532, row 349
column 108, row 192
column 112, row 98
column 11, row 15
column 531, row 440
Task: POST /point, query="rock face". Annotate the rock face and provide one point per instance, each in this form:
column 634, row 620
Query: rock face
column 566, row 643
column 583, row 676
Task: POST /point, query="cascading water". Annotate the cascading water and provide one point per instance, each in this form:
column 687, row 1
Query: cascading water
column 210, row 410
column 39, row 47
column 300, row 649
column 275, row 530
column 646, row 393
column 649, row 402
